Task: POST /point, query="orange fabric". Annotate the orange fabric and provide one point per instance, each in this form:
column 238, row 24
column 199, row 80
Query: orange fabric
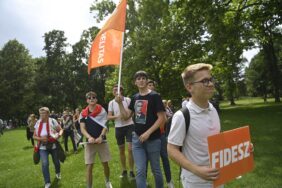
column 107, row 45
column 117, row 19
column 105, row 50
column 229, row 153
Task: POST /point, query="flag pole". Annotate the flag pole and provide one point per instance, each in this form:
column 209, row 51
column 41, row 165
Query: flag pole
column 120, row 65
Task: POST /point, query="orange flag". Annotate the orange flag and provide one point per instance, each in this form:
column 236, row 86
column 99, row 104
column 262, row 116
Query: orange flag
column 106, row 47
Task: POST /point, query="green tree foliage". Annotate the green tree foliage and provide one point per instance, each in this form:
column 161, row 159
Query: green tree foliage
column 16, row 80
column 263, row 19
column 53, row 73
column 160, row 43
column 162, row 37
column 65, row 79
column 257, row 77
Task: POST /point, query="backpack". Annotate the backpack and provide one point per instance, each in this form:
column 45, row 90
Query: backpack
column 186, row 115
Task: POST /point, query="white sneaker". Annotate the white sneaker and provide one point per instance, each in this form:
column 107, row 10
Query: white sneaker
column 47, row 185
column 170, row 184
column 58, row 176
column 109, row 185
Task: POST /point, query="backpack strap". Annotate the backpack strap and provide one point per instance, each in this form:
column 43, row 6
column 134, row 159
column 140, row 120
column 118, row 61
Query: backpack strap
column 186, row 115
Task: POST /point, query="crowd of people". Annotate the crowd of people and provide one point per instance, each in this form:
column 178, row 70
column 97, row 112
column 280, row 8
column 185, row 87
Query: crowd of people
column 140, row 127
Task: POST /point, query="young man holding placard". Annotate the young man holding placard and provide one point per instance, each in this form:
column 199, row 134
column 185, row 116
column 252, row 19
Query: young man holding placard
column 204, row 122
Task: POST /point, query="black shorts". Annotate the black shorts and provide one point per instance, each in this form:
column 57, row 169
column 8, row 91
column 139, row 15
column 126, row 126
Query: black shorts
column 122, row 133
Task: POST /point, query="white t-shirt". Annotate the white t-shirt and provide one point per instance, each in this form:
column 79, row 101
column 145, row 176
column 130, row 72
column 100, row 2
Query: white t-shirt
column 184, row 103
column 114, row 108
column 53, row 126
column 203, row 123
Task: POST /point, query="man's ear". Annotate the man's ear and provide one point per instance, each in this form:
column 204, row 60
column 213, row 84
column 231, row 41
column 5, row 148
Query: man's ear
column 188, row 87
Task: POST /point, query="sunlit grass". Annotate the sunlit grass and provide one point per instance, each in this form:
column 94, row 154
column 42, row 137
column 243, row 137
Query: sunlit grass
column 265, row 126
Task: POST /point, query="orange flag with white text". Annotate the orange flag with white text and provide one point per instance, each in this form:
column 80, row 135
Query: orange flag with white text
column 108, row 43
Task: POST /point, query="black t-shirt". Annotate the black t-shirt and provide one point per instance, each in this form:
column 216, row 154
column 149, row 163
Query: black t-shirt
column 145, row 110
column 93, row 128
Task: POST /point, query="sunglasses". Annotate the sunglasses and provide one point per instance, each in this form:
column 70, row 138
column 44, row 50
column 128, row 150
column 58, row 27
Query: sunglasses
column 91, row 97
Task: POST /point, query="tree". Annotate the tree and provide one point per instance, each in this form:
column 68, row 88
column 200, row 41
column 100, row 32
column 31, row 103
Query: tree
column 55, row 72
column 157, row 43
column 17, row 80
column 163, row 37
column 263, row 20
column 257, row 77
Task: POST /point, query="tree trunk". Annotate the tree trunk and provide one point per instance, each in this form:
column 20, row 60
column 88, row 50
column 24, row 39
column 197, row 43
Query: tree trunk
column 231, row 88
column 271, row 61
column 265, row 98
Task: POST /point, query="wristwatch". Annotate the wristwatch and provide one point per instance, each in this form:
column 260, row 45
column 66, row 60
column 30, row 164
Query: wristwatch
column 103, row 137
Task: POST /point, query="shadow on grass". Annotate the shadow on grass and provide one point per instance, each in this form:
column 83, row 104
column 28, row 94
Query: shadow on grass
column 55, row 183
column 127, row 183
column 27, row 147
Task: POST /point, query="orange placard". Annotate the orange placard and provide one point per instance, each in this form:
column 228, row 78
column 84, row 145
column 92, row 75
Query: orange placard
column 229, row 152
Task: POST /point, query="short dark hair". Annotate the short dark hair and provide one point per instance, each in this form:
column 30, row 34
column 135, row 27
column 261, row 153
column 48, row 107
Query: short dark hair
column 116, row 85
column 90, row 94
column 140, row 74
column 151, row 82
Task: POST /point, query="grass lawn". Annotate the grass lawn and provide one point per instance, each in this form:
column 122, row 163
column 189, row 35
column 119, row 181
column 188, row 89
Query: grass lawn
column 17, row 168
column 264, row 120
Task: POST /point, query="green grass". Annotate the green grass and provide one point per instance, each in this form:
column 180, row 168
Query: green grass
column 264, row 120
column 17, row 168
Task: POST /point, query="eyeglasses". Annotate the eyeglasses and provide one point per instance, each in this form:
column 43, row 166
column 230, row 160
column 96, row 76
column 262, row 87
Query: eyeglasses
column 91, row 97
column 205, row 81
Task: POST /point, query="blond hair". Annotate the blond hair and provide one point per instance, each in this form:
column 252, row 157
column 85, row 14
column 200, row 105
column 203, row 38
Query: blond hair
column 189, row 72
column 44, row 109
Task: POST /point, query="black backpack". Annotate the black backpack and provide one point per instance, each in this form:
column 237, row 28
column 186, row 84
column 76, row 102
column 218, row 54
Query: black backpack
column 186, row 115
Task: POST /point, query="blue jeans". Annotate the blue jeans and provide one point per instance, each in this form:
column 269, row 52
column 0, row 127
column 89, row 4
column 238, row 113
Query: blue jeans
column 45, row 163
column 150, row 150
column 164, row 157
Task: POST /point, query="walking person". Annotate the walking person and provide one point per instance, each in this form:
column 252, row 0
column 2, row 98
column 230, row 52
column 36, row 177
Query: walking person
column 93, row 126
column 77, row 125
column 163, row 153
column 149, row 114
column 204, row 122
column 30, row 123
column 68, row 127
column 123, row 131
column 47, row 131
